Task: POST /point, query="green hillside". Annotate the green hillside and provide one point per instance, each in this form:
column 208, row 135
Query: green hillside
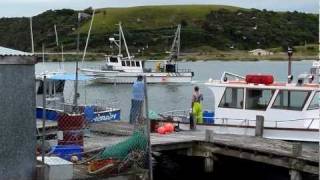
column 151, row 17
column 205, row 28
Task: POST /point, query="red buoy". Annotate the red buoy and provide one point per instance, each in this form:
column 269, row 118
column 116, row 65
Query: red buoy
column 259, row 79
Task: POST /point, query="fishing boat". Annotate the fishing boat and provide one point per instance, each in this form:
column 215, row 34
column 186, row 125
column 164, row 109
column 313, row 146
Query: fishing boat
column 60, row 98
column 125, row 69
column 290, row 109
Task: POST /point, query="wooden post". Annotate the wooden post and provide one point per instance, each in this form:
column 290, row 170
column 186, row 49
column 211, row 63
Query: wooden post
column 295, row 175
column 208, row 135
column 296, row 152
column 296, row 149
column 259, row 126
column 208, row 164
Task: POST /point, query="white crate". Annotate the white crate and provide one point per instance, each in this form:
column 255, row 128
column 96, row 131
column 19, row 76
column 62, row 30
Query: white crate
column 57, row 168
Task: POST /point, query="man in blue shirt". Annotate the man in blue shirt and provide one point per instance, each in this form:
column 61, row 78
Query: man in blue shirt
column 137, row 100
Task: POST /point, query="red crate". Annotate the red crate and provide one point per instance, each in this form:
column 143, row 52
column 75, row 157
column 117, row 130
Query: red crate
column 70, row 122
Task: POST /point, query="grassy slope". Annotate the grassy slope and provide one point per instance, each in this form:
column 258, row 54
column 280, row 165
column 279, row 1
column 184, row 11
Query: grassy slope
column 150, row 17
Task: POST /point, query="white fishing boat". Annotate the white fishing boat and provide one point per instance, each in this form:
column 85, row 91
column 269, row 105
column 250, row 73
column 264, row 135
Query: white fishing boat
column 290, row 110
column 125, row 69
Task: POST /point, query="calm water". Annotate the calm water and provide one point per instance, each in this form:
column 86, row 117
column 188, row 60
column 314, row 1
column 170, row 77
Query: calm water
column 176, row 97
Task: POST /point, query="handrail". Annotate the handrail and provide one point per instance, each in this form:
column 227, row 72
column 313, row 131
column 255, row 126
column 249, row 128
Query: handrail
column 239, row 121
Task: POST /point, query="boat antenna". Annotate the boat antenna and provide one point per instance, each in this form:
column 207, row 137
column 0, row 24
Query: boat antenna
column 175, row 47
column 31, row 34
column 88, row 37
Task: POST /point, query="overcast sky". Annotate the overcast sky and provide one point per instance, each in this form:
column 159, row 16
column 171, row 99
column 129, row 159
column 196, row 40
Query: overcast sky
column 17, row 8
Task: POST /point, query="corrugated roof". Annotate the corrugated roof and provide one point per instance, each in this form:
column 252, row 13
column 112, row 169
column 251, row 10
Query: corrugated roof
column 11, row 52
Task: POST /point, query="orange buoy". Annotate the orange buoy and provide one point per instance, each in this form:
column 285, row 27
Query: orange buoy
column 161, row 130
column 169, row 127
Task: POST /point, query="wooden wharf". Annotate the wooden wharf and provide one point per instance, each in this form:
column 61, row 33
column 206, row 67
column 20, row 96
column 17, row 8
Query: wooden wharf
column 293, row 156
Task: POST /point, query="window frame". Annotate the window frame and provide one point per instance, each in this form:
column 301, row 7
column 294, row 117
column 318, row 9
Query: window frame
column 117, row 60
column 243, row 98
column 314, row 96
column 128, row 63
column 138, row 63
column 123, row 63
column 300, row 109
column 246, row 96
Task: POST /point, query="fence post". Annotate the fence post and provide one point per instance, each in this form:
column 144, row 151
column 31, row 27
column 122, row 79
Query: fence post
column 259, row 126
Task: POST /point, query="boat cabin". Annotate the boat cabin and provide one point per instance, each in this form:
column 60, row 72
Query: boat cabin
column 118, row 63
column 293, row 105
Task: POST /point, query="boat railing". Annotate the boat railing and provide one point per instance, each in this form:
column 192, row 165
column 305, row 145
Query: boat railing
column 70, row 108
column 184, row 115
column 183, row 70
column 225, row 76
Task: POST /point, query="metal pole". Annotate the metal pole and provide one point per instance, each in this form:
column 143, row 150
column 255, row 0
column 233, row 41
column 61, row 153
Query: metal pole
column 148, row 128
column 290, row 52
column 75, row 100
column 31, row 34
column 78, row 34
column 43, row 117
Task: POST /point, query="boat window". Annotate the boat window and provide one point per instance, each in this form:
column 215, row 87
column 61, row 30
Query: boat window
column 258, row 99
column 128, row 63
column 132, row 64
column 114, row 59
column 123, row 63
column 315, row 102
column 137, row 63
column 291, row 100
column 232, row 98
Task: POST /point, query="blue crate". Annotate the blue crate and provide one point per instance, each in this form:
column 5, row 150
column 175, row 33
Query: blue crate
column 208, row 117
column 66, row 151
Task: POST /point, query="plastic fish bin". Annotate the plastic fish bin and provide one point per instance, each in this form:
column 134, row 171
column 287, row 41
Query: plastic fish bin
column 66, row 151
column 208, row 117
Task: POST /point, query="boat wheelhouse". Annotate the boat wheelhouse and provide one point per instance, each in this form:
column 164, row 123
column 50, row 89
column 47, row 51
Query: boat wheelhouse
column 290, row 110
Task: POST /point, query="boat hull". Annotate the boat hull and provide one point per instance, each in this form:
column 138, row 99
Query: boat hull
column 130, row 77
column 102, row 116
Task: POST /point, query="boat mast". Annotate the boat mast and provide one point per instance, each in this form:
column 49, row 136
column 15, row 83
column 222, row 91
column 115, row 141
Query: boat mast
column 175, row 47
column 120, row 48
column 124, row 41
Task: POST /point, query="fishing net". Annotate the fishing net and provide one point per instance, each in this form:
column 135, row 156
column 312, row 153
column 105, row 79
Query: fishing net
column 137, row 142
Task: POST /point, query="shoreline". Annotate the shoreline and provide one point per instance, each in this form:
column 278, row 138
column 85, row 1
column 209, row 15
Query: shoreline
column 194, row 57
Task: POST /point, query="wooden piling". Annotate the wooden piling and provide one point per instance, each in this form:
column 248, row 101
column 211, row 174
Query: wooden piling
column 296, row 152
column 295, row 175
column 296, row 149
column 259, row 126
column 208, row 135
column 208, row 164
